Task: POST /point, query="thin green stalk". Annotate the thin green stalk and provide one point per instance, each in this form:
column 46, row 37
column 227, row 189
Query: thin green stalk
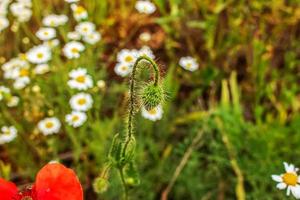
column 124, row 184
column 29, row 34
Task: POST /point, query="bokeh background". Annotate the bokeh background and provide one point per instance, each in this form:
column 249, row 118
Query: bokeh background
column 234, row 120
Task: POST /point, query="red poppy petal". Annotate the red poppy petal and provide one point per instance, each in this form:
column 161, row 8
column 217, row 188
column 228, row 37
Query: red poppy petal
column 7, row 190
column 56, row 182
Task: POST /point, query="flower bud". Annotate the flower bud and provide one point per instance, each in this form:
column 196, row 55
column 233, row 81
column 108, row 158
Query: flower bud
column 152, row 96
column 115, row 149
column 100, row 185
column 129, row 149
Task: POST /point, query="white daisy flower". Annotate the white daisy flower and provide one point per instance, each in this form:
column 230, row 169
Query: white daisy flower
column 145, row 37
column 13, row 101
column 76, row 118
column 81, row 102
column 153, row 114
column 79, row 12
column 51, row 43
column 22, row 72
column 85, row 28
column 127, row 56
column 146, row 51
column 8, row 134
column 21, row 82
column 21, row 11
column 14, row 63
column 41, row 69
column 73, row 35
column 55, row 20
column 73, row 49
column 4, row 7
column 145, row 7
column 46, row 33
column 289, row 180
column 92, row 38
column 80, row 79
column 189, row 63
column 101, row 84
column 4, row 91
column 123, row 69
column 49, row 126
column 15, row 68
column 39, row 54
column 4, row 23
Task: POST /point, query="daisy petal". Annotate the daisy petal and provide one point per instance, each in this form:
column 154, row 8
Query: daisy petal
column 288, row 191
column 289, row 167
column 286, row 166
column 277, row 178
column 296, row 191
column 281, row 186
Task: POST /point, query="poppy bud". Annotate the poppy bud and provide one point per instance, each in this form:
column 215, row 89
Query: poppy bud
column 129, row 149
column 152, row 96
column 131, row 175
column 100, row 185
column 115, row 149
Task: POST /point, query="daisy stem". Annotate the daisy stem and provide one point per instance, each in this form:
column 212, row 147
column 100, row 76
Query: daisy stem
column 29, row 33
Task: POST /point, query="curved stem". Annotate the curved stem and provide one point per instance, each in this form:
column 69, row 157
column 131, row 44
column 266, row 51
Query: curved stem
column 124, row 184
column 132, row 87
column 127, row 135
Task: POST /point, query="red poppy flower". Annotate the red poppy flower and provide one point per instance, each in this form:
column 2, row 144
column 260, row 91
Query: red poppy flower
column 53, row 182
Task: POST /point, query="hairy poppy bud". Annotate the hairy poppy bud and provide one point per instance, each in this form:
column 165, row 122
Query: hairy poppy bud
column 115, row 149
column 100, row 185
column 152, row 96
column 129, row 149
column 131, row 175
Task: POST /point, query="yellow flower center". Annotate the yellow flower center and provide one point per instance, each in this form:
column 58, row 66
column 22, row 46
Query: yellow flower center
column 49, row 124
column 6, row 132
column 124, row 68
column 80, row 79
column 188, row 65
column 290, row 179
column 85, row 29
column 81, row 101
column 152, row 111
column 24, row 72
column 79, row 10
column 75, row 118
column 52, row 23
column 40, row 55
column 74, row 50
column 46, row 33
column 128, row 59
column 23, row 56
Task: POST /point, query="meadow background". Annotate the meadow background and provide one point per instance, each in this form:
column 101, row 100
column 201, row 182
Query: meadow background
column 236, row 118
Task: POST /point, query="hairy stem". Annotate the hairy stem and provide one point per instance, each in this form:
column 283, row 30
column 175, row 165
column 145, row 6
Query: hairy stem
column 132, row 87
column 126, row 137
